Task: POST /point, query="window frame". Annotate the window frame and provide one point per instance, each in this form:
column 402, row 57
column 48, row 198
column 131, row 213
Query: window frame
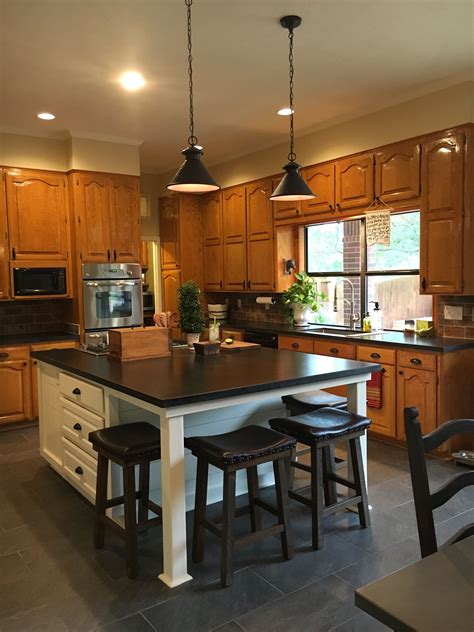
column 364, row 274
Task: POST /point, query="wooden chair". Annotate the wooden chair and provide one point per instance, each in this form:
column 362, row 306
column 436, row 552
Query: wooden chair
column 426, row 502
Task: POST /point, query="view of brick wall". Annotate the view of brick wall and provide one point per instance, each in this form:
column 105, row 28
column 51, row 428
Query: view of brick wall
column 31, row 317
column 455, row 328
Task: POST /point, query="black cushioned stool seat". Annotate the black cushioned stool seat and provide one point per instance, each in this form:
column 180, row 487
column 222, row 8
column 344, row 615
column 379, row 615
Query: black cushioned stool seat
column 127, row 445
column 245, row 448
column 319, row 430
column 312, row 400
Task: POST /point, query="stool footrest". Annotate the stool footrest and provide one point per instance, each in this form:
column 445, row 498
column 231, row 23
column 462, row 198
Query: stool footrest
column 341, row 504
column 147, row 524
column 342, row 481
column 267, row 506
column 301, row 466
column 257, row 535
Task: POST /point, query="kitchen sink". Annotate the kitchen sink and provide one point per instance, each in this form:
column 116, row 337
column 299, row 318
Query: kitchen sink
column 340, row 331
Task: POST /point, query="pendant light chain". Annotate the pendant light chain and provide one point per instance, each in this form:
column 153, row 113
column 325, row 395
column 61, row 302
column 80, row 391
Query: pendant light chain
column 291, row 155
column 192, row 140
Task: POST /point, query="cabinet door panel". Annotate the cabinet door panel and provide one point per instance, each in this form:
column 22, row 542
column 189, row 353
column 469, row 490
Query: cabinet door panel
column 169, row 232
column 125, row 214
column 285, row 210
column 4, row 256
column 384, row 418
column 261, row 265
column 213, row 268
column 212, row 215
column 171, row 283
column 37, row 215
column 235, row 232
column 235, row 267
column 441, row 218
column 91, row 193
column 397, row 172
column 15, row 393
column 354, row 182
column 416, row 388
column 320, row 179
column 260, row 244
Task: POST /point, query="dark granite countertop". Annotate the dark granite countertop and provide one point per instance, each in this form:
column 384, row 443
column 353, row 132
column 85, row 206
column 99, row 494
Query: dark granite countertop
column 30, row 339
column 185, row 377
column 392, row 338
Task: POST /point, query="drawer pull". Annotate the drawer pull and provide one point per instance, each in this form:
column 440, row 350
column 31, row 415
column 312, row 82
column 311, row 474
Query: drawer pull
column 77, row 427
column 374, row 355
column 4, row 355
column 79, row 470
column 415, row 361
column 334, row 350
column 76, row 391
column 383, row 370
column 295, row 345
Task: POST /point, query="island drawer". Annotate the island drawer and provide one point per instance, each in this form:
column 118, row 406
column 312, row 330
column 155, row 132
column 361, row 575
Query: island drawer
column 381, row 355
column 304, row 345
column 14, row 353
column 335, row 349
column 415, row 360
column 78, row 423
column 81, row 392
column 79, row 467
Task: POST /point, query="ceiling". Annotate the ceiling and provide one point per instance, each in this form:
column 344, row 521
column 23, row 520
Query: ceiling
column 352, row 56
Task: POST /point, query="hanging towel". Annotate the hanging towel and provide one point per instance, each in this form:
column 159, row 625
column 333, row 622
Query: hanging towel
column 374, row 390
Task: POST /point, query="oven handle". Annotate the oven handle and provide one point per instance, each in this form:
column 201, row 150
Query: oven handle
column 112, row 284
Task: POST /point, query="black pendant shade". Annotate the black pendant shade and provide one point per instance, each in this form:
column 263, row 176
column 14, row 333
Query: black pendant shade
column 292, row 186
column 192, row 176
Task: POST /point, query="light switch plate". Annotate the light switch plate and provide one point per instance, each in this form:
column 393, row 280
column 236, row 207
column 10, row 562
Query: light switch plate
column 453, row 312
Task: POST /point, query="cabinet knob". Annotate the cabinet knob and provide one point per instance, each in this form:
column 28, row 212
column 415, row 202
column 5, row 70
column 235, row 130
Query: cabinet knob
column 243, row 284
column 383, row 370
column 13, row 253
column 423, row 284
column 77, row 426
column 415, row 361
column 108, row 255
column 334, row 350
column 331, row 207
column 295, row 345
column 79, row 470
column 374, row 355
column 220, row 284
column 338, row 206
column 76, row 391
column 400, row 373
column 115, row 255
column 4, row 356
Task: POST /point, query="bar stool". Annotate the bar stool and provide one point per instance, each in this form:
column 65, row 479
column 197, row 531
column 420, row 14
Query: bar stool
column 127, row 445
column 318, row 430
column 242, row 449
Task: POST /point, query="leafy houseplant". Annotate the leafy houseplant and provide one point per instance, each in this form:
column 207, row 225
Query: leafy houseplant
column 191, row 319
column 302, row 298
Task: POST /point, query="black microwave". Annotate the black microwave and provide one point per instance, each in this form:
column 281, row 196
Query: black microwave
column 39, row 281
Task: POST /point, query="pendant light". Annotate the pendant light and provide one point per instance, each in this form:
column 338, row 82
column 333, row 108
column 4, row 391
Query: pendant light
column 192, row 176
column 291, row 187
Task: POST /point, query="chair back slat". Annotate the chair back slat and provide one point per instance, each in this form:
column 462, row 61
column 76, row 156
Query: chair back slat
column 451, row 488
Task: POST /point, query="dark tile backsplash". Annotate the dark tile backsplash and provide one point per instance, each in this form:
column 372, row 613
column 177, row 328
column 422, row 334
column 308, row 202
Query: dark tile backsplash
column 32, row 317
column 250, row 310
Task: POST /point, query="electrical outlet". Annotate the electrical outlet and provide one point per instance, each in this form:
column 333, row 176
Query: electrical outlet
column 453, row 312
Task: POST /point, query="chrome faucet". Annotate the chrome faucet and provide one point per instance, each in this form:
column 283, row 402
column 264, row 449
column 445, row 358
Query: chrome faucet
column 354, row 317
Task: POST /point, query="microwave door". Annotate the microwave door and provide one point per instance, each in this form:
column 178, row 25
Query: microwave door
column 112, row 304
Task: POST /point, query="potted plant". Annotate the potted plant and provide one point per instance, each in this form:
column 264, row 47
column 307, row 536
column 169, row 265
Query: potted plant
column 303, row 299
column 191, row 319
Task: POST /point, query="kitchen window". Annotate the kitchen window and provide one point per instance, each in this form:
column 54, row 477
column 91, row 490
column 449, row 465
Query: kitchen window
column 387, row 274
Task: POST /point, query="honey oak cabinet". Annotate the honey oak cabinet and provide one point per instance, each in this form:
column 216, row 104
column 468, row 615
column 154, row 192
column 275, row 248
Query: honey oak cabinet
column 284, row 211
column 397, row 173
column 321, row 180
column 213, row 242
column 260, row 244
column 37, row 210
column 15, row 384
column 107, row 217
column 354, row 182
column 169, row 232
column 441, row 247
column 4, row 256
column 171, row 280
column 144, row 260
column 417, row 387
column 235, row 238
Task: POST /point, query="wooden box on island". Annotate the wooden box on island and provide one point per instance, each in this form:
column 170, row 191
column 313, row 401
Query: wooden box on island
column 139, row 343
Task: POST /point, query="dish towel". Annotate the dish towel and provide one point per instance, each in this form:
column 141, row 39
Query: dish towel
column 374, row 390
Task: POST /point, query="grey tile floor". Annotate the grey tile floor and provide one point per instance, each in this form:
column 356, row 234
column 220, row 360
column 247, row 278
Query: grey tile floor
column 52, row 579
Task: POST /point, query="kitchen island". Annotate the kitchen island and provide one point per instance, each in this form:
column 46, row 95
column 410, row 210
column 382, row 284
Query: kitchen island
column 182, row 393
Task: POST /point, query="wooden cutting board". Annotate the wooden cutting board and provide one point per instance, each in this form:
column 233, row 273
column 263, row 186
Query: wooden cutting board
column 237, row 345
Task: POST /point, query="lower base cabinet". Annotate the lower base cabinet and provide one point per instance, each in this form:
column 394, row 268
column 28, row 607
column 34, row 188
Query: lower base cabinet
column 15, row 384
column 416, row 387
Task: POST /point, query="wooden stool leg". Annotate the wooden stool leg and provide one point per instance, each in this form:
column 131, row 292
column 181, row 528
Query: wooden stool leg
column 227, row 542
column 290, row 471
column 144, row 491
column 359, row 481
column 317, row 502
column 200, row 503
column 330, row 491
column 252, row 484
column 100, row 501
column 130, row 520
column 281, row 489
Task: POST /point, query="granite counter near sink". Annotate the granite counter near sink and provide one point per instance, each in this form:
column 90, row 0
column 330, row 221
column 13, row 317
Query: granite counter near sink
column 392, row 338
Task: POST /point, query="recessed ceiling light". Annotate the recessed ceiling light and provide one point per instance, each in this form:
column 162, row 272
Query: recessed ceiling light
column 132, row 81
column 285, row 111
column 46, row 116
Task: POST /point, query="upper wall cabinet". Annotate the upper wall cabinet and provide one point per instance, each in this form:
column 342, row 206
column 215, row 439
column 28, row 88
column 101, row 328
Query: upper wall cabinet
column 441, row 265
column 37, row 215
column 397, row 173
column 321, row 180
column 354, row 182
column 260, row 245
column 234, row 233
column 284, row 211
column 108, row 217
column 213, row 249
column 4, row 277
column 169, row 232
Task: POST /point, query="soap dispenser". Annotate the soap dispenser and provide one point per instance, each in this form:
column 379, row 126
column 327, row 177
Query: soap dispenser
column 367, row 324
column 377, row 317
